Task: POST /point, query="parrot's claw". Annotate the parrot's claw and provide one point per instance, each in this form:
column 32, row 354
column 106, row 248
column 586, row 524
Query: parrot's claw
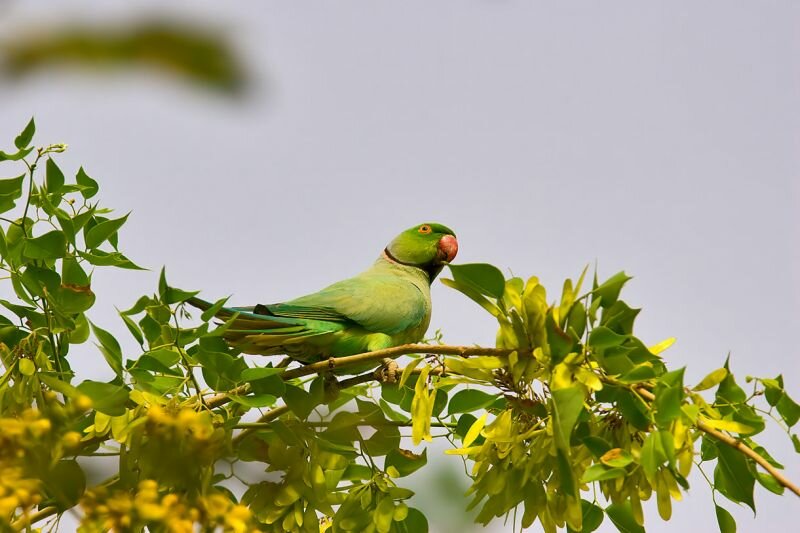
column 387, row 372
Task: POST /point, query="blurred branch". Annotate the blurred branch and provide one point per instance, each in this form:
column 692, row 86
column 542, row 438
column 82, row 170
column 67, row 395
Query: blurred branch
column 197, row 54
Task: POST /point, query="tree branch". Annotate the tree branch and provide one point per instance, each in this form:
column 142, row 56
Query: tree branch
column 335, row 363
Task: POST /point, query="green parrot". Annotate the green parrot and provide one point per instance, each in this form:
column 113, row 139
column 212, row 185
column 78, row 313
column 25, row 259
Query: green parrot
column 387, row 305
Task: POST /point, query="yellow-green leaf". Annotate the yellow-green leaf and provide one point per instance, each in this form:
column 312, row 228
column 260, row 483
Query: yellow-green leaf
column 712, row 379
column 474, row 430
column 661, row 346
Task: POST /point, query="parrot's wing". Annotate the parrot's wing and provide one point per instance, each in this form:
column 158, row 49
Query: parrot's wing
column 385, row 304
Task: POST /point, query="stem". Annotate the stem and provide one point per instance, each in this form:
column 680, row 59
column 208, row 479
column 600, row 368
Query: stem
column 53, row 345
column 31, row 170
column 27, row 520
column 187, row 364
column 262, row 422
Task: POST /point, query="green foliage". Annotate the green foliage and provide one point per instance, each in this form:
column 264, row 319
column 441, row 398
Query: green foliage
column 590, row 404
column 571, row 419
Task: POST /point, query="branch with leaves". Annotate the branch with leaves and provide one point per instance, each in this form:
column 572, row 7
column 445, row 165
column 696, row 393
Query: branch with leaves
column 569, row 420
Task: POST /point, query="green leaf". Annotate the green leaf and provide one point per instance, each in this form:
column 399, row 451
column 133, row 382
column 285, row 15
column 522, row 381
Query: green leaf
column 566, row 405
column 89, row 187
column 101, row 258
column 711, row 380
column 619, row 317
column 473, row 295
column 98, row 234
column 733, row 477
column 212, row 311
column 769, row 483
column 72, row 273
column 133, row 328
column 165, row 356
column 602, row 337
column 764, row 453
column 592, row 517
column 617, row 458
column 652, row 456
column 405, row 461
column 17, row 156
column 633, row 409
column 622, row 516
column 598, row 472
column 390, row 413
column 25, row 138
column 107, row 398
column 74, row 295
column 140, row 305
column 11, row 187
column 299, row 401
column 82, row 218
column 486, row 279
column 726, row 522
column 609, row 290
column 728, row 391
column 38, row 280
column 220, row 370
column 667, row 404
column 384, row 440
column 51, row 245
column 66, row 482
column 264, row 380
column 261, row 372
column 597, row 445
column 415, row 522
column 171, row 295
column 58, row 385
column 54, row 178
column 465, row 401
column 67, row 225
column 642, row 372
column 773, row 389
column 147, row 361
column 110, row 348
column 789, row 410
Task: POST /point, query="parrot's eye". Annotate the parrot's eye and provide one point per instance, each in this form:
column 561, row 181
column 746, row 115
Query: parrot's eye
column 425, row 229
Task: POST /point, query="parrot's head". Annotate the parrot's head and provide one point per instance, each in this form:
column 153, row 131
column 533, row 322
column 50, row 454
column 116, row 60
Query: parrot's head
column 428, row 246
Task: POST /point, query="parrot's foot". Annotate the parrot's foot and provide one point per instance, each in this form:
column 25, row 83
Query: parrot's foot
column 387, row 372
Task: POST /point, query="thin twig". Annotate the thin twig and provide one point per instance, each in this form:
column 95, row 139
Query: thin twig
column 27, row 520
column 272, row 414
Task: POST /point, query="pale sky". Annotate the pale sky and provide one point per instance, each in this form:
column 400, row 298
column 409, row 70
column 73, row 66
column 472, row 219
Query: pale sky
column 659, row 138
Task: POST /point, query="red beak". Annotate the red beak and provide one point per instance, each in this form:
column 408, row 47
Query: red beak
column 448, row 248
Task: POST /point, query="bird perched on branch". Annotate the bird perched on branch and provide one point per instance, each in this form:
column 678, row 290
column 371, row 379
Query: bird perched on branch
column 387, row 305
